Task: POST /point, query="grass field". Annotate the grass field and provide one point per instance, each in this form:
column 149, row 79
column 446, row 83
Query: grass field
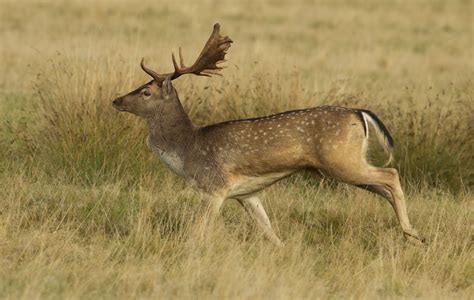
column 86, row 210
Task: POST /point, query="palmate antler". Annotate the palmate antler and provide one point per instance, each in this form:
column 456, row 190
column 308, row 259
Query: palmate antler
column 212, row 54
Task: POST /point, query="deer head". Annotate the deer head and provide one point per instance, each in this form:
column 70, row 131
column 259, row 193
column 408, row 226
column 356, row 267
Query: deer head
column 146, row 100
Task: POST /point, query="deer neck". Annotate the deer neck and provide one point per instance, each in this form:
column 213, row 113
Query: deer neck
column 170, row 131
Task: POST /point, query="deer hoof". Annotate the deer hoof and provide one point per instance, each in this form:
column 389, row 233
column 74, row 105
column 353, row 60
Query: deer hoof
column 415, row 238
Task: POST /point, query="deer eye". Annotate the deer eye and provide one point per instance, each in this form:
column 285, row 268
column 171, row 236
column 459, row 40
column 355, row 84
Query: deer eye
column 146, row 93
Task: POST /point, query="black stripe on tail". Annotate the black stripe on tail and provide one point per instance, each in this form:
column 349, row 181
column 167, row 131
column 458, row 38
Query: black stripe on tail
column 379, row 124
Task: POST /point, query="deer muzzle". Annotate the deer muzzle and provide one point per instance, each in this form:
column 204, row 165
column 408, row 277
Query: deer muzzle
column 118, row 104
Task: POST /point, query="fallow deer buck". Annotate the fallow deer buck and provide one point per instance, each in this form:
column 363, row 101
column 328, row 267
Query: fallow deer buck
column 236, row 159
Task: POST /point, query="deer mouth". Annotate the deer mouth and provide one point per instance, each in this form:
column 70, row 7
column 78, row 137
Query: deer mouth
column 117, row 104
column 119, row 108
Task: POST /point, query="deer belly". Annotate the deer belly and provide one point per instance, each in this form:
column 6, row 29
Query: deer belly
column 246, row 185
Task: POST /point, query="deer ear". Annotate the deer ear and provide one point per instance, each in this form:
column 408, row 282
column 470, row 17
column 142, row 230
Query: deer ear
column 167, row 89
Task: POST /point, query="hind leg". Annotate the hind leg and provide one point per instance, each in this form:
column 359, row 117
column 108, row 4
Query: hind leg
column 400, row 209
column 390, row 183
column 384, row 182
column 377, row 189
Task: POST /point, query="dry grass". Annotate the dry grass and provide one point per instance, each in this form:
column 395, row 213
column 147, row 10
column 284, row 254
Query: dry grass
column 86, row 211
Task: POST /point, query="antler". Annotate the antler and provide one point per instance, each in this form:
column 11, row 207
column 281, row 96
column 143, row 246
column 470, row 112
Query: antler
column 212, row 54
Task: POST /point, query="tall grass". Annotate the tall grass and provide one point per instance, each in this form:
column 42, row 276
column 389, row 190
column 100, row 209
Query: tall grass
column 115, row 241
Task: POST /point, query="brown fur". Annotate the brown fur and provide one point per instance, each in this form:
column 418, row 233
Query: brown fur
column 238, row 158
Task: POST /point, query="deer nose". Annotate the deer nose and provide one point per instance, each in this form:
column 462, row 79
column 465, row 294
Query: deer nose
column 117, row 102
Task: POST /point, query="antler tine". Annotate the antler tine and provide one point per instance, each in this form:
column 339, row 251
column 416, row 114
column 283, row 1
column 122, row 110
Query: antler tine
column 175, row 64
column 212, row 54
column 208, row 73
column 181, row 59
column 206, row 64
column 157, row 77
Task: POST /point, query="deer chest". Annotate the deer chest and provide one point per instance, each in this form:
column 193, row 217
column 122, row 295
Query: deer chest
column 171, row 159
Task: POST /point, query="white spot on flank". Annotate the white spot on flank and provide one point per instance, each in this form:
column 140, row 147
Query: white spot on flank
column 308, row 139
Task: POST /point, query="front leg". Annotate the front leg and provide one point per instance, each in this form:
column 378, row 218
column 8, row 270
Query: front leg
column 255, row 209
column 210, row 208
column 205, row 219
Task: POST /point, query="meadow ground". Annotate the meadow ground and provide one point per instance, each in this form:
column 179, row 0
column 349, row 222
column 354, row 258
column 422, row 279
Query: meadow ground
column 86, row 211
